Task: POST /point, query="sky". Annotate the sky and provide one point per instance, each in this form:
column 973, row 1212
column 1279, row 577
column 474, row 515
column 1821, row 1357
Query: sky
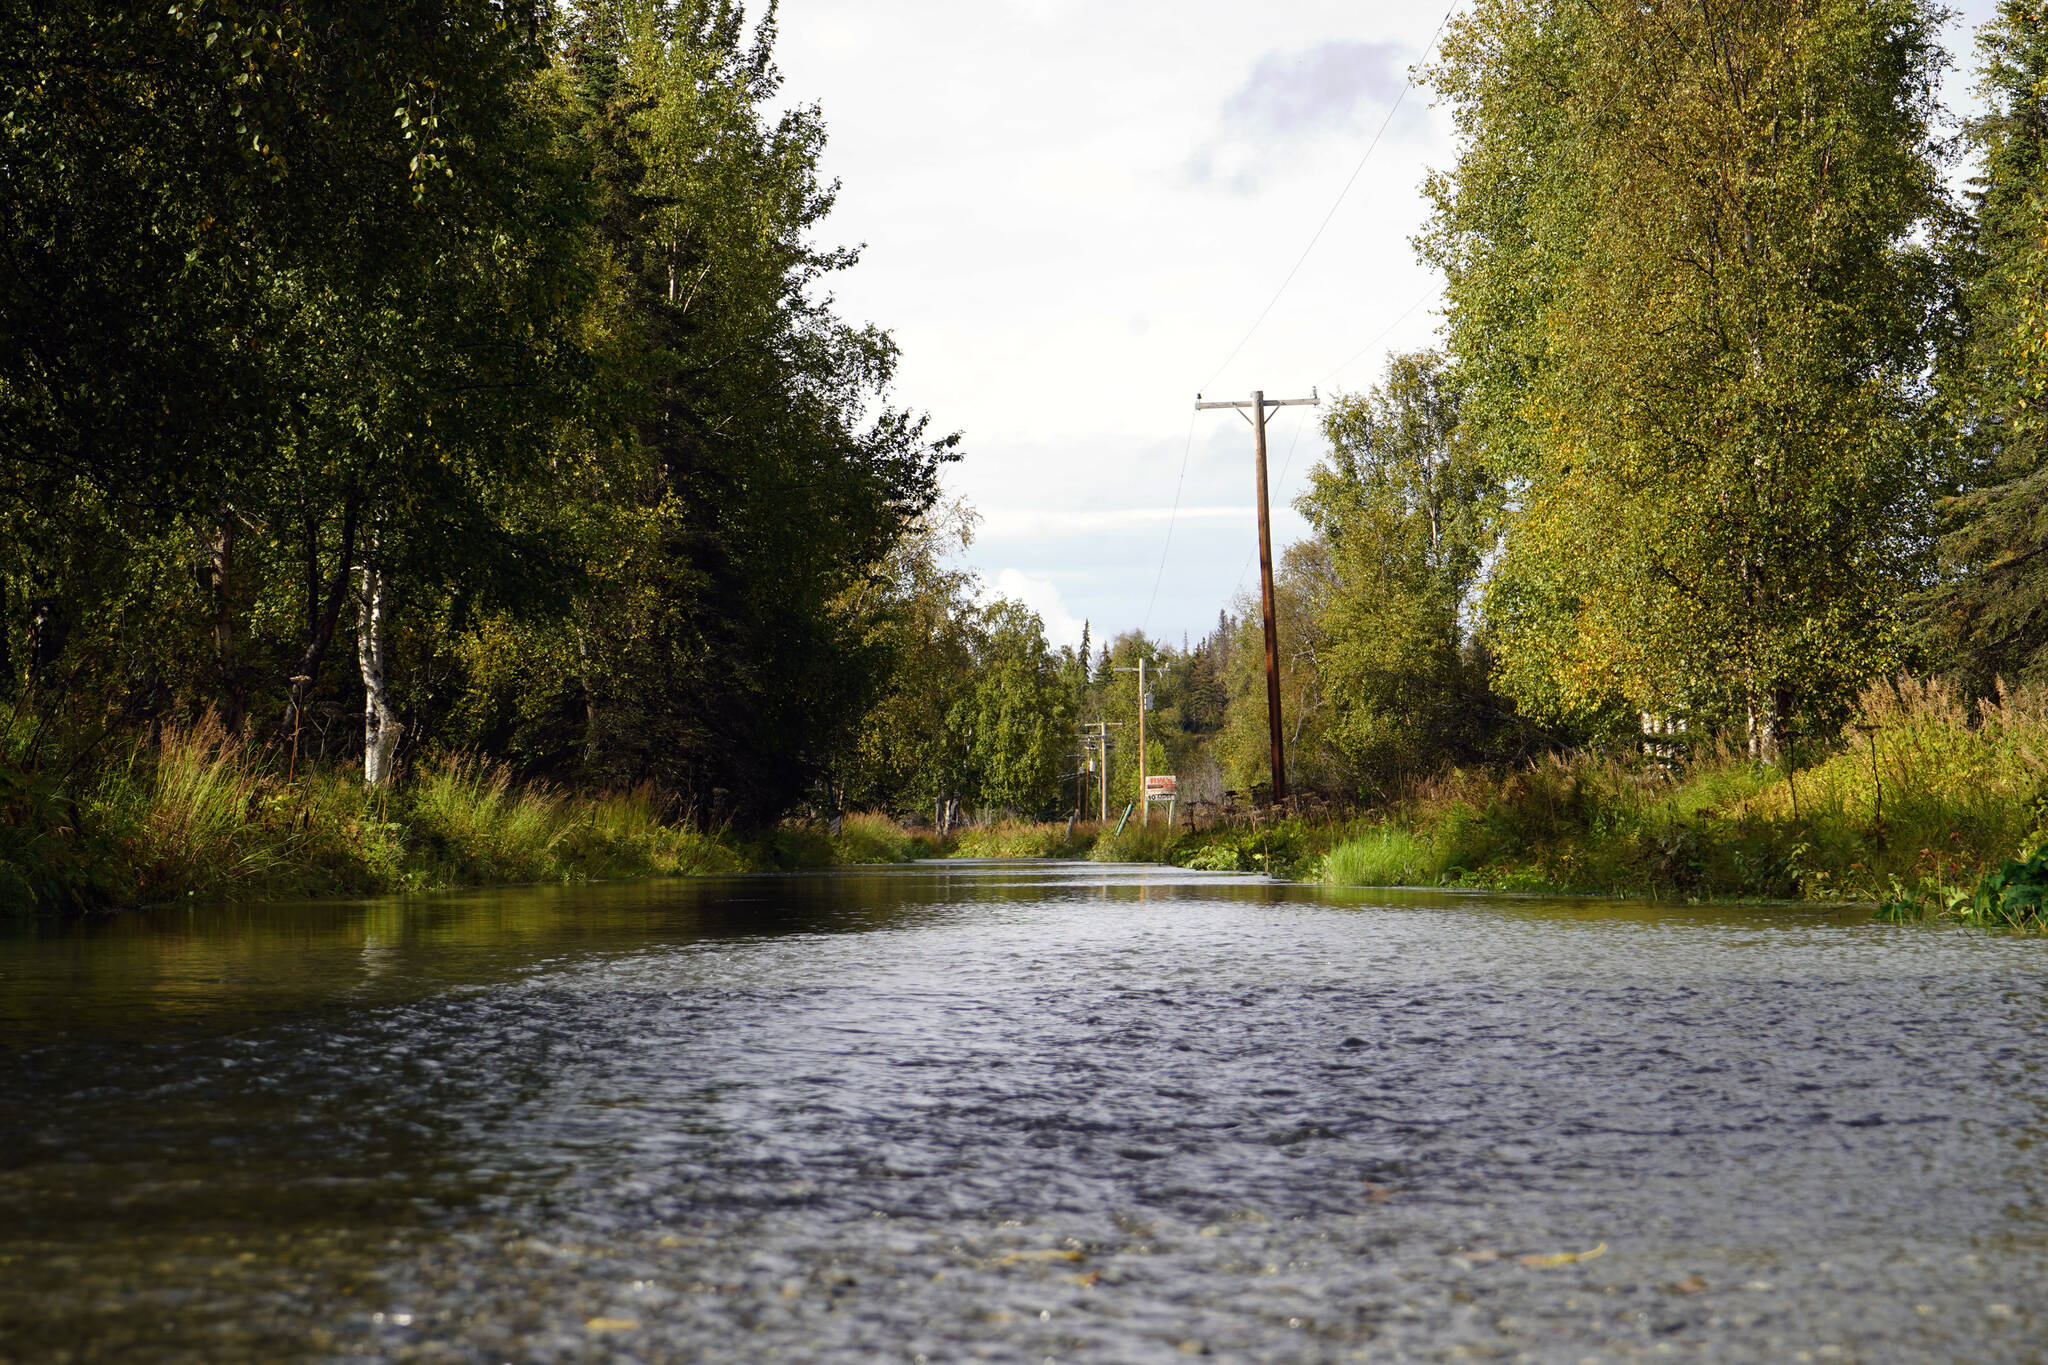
column 1073, row 216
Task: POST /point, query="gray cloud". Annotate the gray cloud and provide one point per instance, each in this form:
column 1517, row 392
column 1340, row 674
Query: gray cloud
column 1292, row 95
column 1316, row 88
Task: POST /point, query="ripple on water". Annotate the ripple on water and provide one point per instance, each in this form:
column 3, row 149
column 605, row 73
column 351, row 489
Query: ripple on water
column 1023, row 1111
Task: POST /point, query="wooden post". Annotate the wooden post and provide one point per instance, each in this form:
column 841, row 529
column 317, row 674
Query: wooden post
column 1144, row 805
column 1258, row 404
column 1080, row 782
column 1102, row 776
column 299, row 682
column 1266, row 603
column 1144, row 801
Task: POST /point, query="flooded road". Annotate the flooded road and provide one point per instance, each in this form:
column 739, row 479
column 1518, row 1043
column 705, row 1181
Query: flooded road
column 1020, row 1112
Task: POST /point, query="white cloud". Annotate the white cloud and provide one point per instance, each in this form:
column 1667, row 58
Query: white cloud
column 1062, row 627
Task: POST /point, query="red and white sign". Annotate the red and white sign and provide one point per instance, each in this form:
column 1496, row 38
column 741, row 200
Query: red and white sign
column 1162, row 785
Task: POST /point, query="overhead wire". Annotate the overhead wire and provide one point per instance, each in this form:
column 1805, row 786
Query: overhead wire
column 1187, row 449
column 1337, row 203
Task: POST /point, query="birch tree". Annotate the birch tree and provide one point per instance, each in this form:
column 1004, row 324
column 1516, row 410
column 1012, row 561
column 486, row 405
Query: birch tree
column 1688, row 295
column 1409, row 514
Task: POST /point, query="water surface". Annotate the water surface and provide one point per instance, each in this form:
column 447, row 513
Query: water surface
column 1019, row 1112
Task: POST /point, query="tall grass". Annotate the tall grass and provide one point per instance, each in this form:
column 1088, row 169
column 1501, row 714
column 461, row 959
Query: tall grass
column 1920, row 802
column 1135, row 843
column 198, row 812
column 1025, row 839
column 1386, row 856
column 189, row 815
column 466, row 813
column 875, row 838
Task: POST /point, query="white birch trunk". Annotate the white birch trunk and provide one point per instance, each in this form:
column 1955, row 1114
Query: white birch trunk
column 381, row 728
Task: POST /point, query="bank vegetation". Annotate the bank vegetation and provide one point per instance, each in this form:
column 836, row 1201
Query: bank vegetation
column 431, row 454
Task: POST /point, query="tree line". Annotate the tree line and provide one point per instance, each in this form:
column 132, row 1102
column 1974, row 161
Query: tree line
column 401, row 380
column 1739, row 407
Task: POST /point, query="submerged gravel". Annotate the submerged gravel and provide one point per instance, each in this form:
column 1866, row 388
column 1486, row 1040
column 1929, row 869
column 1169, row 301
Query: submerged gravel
column 1021, row 1112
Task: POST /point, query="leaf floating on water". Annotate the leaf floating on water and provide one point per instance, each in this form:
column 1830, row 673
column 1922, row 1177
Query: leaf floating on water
column 1016, row 1256
column 611, row 1324
column 1088, row 1281
column 1691, row 1284
column 1378, row 1194
column 1564, row 1258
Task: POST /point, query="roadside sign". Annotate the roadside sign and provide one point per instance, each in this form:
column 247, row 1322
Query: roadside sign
column 1161, row 785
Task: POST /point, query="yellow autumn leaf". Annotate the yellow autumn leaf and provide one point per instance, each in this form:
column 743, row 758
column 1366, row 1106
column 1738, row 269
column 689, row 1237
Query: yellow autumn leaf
column 1563, row 1258
column 1014, row 1257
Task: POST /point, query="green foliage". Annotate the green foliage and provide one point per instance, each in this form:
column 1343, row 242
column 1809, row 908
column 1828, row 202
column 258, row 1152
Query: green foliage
column 719, row 647
column 1015, row 724
column 1993, row 609
column 918, row 611
column 1687, row 301
column 2012, row 897
column 2015, row 896
column 513, row 322
column 1409, row 512
column 1302, row 590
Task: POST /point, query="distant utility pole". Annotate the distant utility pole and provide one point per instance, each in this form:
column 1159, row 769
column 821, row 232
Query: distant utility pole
column 1258, row 403
column 1100, row 739
column 1144, row 802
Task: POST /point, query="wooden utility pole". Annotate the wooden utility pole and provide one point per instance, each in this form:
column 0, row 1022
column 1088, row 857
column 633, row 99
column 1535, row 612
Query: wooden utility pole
column 1258, row 403
column 1144, row 805
column 1101, row 741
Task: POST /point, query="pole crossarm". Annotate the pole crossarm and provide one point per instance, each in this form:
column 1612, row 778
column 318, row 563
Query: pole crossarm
column 1312, row 401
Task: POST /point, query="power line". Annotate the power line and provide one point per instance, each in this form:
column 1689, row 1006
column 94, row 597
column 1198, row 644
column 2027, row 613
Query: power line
column 1287, row 462
column 1172, row 517
column 1384, row 333
column 1338, row 203
column 1187, row 449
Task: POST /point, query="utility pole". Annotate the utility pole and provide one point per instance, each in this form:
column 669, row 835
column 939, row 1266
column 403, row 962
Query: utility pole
column 1144, row 805
column 1101, row 741
column 1258, row 403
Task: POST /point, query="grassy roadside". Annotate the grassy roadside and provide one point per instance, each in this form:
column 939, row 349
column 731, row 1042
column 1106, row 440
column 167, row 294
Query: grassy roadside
column 200, row 814
column 1936, row 809
column 1912, row 812
column 1931, row 808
